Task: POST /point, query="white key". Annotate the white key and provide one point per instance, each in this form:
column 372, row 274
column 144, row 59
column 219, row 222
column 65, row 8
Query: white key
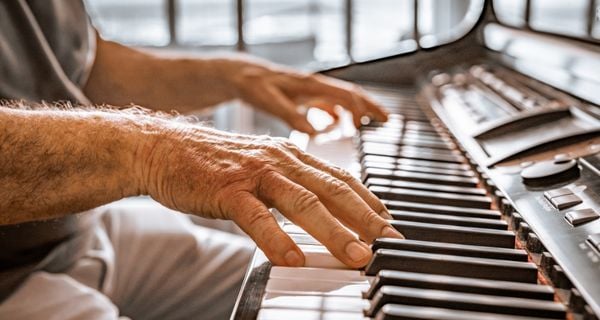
column 304, row 239
column 319, row 287
column 320, row 257
column 316, row 302
column 318, row 274
column 294, row 314
column 293, row 229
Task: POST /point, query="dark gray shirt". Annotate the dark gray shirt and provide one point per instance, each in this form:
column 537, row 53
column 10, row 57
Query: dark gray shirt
column 47, row 48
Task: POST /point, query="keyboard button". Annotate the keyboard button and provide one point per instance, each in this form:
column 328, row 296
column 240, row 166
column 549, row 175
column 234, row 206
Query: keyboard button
column 594, row 240
column 450, row 265
column 564, row 202
column 451, row 249
column 455, row 234
column 465, row 301
column 459, row 284
column 581, row 216
column 557, row 193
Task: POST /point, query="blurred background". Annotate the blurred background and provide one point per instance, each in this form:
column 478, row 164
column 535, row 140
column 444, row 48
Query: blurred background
column 306, row 34
column 309, row 34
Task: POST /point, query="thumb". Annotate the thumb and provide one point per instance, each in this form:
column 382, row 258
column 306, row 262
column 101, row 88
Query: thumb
column 276, row 103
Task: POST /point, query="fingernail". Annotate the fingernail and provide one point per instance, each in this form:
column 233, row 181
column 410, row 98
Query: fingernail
column 389, row 232
column 385, row 214
column 356, row 251
column 293, row 259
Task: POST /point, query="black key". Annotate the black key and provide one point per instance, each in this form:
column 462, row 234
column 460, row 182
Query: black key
column 406, row 141
column 459, row 284
column 439, row 209
column 465, row 301
column 420, row 163
column 469, row 182
column 423, row 186
column 449, row 220
column 398, row 134
column 418, row 149
column 413, row 155
column 451, row 249
column 455, row 234
column 404, row 312
column 404, row 167
column 445, row 198
column 450, row 265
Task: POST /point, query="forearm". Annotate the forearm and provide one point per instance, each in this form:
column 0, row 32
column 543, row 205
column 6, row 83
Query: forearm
column 122, row 75
column 56, row 162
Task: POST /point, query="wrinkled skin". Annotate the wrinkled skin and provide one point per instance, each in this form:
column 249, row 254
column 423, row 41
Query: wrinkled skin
column 226, row 176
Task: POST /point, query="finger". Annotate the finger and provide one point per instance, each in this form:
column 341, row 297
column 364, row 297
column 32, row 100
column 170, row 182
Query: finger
column 279, row 105
column 349, row 95
column 340, row 174
column 325, row 106
column 351, row 181
column 254, row 218
column 304, row 208
column 373, row 108
column 342, row 202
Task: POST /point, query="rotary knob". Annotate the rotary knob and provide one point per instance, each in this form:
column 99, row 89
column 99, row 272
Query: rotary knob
column 561, row 168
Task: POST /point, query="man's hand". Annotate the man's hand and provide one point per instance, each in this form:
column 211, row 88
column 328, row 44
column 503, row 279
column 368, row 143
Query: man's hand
column 225, row 176
column 122, row 75
column 280, row 91
column 58, row 162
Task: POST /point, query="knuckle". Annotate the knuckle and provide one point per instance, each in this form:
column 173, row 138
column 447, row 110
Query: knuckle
column 337, row 235
column 285, row 144
column 306, row 201
column 343, row 175
column 370, row 218
column 257, row 219
column 337, row 187
column 277, row 150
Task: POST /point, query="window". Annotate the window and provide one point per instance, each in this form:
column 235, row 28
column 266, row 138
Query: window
column 309, row 34
column 295, row 32
column 561, row 17
column 442, row 21
column 596, row 29
column 137, row 22
column 208, row 23
column 511, row 12
column 574, row 18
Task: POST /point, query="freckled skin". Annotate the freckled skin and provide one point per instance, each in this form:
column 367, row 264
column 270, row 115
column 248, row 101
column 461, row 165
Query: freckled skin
column 56, row 161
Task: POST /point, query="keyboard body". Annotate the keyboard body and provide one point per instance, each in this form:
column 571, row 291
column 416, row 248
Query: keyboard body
column 490, row 168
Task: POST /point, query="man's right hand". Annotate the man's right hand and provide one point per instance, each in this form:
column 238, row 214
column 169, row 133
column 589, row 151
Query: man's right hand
column 237, row 177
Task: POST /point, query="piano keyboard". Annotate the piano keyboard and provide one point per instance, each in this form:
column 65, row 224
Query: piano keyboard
column 459, row 259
